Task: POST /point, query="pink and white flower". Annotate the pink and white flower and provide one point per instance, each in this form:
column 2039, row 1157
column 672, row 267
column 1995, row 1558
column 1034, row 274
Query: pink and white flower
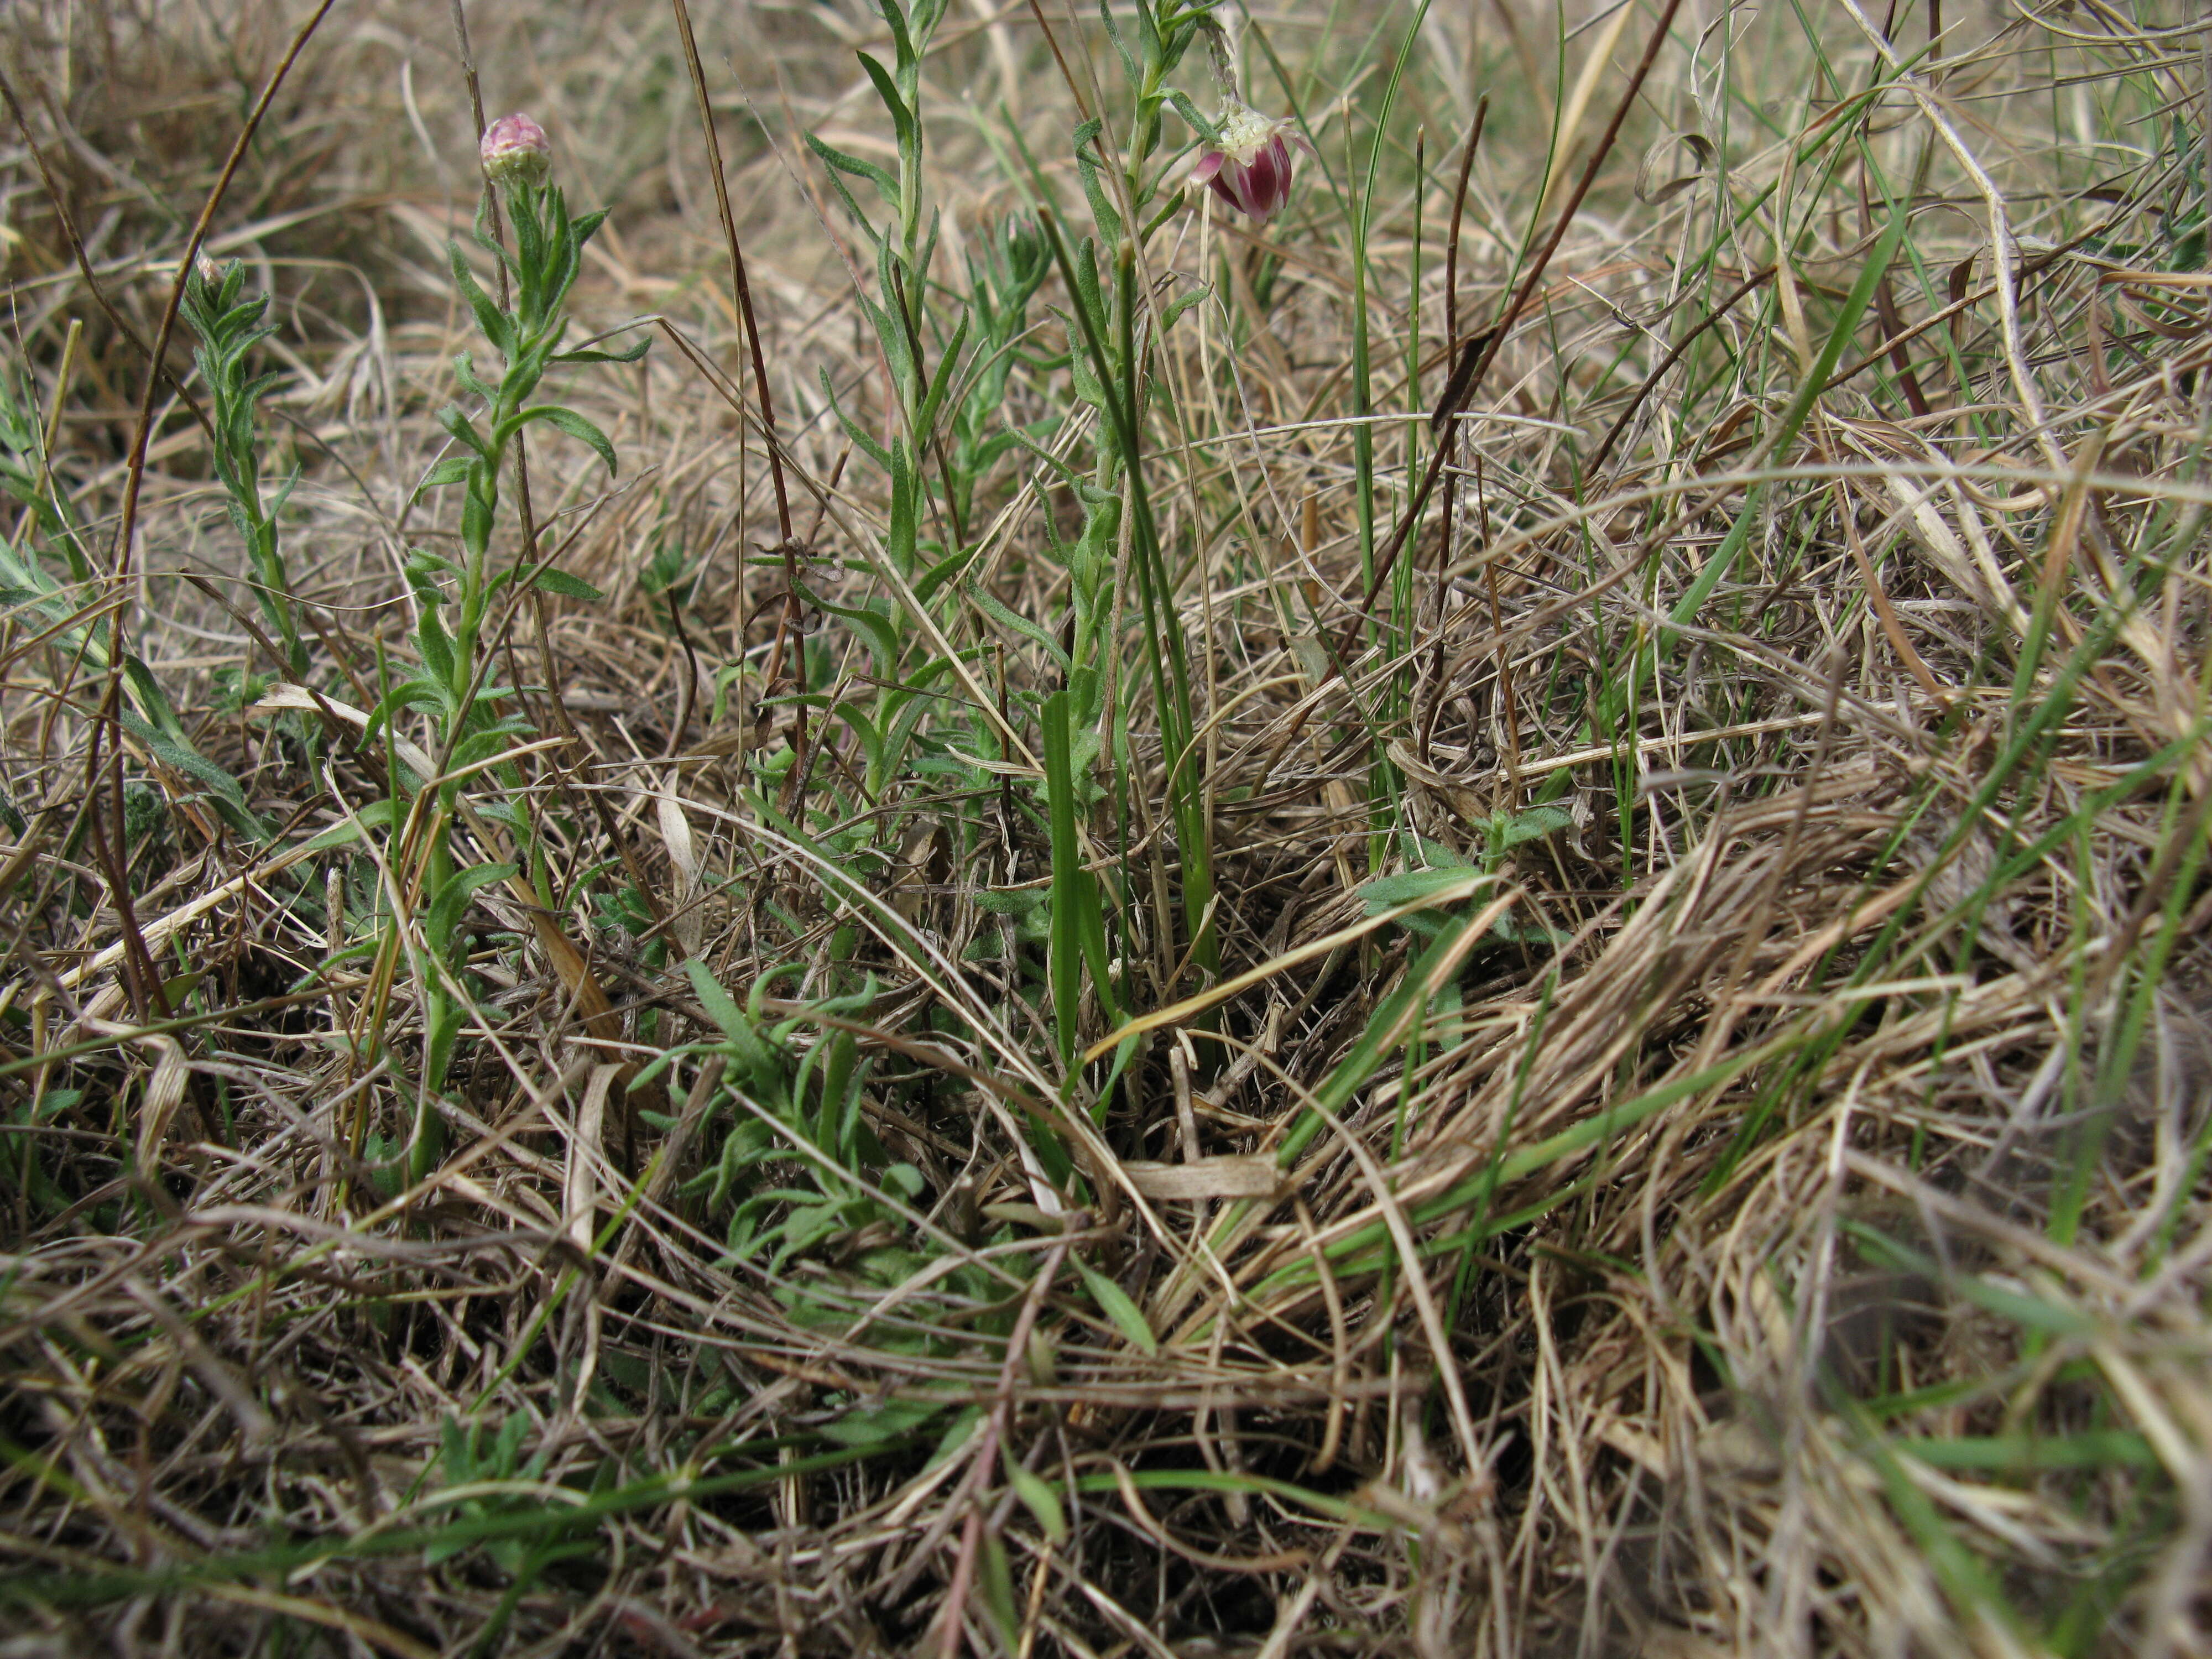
column 516, row 149
column 1252, row 167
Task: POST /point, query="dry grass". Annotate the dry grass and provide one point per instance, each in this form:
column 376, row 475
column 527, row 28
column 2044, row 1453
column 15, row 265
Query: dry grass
column 1700, row 1147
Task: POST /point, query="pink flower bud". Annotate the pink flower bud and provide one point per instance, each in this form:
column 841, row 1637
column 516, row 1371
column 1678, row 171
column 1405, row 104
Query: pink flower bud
column 516, row 149
column 1252, row 168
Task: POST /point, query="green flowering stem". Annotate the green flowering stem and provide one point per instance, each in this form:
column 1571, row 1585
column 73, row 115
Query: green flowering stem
column 230, row 323
column 1109, row 336
column 526, row 336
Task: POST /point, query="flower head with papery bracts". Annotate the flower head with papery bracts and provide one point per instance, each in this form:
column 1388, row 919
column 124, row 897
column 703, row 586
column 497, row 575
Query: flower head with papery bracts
column 515, row 151
column 1251, row 167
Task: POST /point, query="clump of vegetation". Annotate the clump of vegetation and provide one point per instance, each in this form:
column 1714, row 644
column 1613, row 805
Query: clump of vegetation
column 1337, row 841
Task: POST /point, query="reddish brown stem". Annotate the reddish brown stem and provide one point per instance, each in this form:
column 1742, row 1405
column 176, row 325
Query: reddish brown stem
column 1458, row 215
column 1621, row 423
column 135, row 476
column 789, row 621
column 68, row 223
column 1464, row 386
column 1449, row 439
column 135, row 471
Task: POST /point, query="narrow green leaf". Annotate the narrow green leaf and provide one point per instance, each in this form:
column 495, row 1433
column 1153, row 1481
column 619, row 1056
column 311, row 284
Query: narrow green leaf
column 1189, row 112
column 561, row 582
column 1115, row 1303
column 1040, row 1498
column 456, row 423
column 2030, row 1454
column 453, row 469
column 489, row 316
column 230, row 797
column 721, row 1008
column 1389, row 892
column 567, row 421
column 377, row 815
column 859, row 169
column 998, row 612
column 442, row 921
column 892, row 1420
column 901, row 117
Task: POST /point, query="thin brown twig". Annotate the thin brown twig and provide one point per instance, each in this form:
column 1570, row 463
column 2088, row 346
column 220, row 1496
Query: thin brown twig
column 69, row 234
column 742, row 284
column 790, row 621
column 1596, row 463
column 135, row 477
column 1450, row 438
column 1463, row 386
column 135, row 474
column 1458, row 217
column 988, row 1441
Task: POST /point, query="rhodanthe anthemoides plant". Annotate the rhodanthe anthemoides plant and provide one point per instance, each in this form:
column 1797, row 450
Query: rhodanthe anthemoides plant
column 457, row 600
column 948, row 365
column 230, row 322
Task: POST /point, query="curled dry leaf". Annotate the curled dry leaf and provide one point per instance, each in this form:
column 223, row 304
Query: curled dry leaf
column 684, row 854
column 1663, row 176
